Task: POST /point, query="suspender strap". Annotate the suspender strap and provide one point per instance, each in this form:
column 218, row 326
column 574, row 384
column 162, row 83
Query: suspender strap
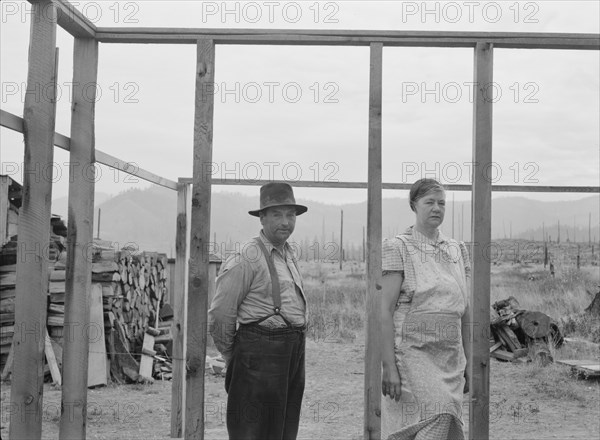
column 276, row 290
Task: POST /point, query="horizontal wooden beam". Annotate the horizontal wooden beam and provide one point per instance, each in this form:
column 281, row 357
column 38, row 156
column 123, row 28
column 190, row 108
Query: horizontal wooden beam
column 507, row 40
column 15, row 123
column 404, row 186
column 72, row 20
column 134, row 170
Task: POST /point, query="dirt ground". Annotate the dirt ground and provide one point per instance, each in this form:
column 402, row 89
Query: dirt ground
column 522, row 406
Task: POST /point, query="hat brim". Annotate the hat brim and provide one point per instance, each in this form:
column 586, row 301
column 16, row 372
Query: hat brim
column 300, row 209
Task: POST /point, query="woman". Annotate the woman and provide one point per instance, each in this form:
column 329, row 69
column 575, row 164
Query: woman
column 425, row 304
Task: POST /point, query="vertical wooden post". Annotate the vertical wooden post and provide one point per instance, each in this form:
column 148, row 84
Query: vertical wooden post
column 372, row 422
column 180, row 276
column 197, row 302
column 4, row 207
column 78, row 279
column 341, row 238
column 453, row 216
column 34, row 227
column 481, row 212
column 99, row 216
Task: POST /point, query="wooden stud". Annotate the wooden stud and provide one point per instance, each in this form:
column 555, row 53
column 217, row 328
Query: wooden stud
column 481, row 210
column 179, row 306
column 4, row 207
column 372, row 421
column 78, row 282
column 198, row 284
column 34, row 228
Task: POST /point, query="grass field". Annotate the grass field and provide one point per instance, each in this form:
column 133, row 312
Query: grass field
column 526, row 401
column 337, row 312
column 337, row 298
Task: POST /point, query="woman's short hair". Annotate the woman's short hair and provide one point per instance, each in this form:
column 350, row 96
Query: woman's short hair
column 421, row 188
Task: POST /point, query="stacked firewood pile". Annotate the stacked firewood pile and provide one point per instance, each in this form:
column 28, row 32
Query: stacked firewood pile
column 521, row 335
column 134, row 290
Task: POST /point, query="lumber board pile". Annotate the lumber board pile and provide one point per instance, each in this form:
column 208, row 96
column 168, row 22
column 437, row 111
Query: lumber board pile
column 133, row 289
column 8, row 279
column 521, row 335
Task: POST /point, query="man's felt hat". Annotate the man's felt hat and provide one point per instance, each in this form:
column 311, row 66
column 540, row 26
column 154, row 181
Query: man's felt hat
column 277, row 194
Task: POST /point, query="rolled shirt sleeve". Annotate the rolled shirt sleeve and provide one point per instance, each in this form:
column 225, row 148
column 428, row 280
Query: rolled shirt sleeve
column 232, row 285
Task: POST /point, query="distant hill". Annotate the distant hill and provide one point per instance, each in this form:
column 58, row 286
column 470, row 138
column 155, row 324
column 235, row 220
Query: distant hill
column 148, row 218
column 60, row 206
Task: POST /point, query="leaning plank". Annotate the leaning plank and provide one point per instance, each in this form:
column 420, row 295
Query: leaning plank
column 198, row 284
column 588, row 368
column 51, row 358
column 34, row 232
column 507, row 336
column 96, row 344
column 481, row 224
column 76, row 360
column 372, row 379
column 124, row 360
column 495, row 347
column 9, row 362
column 146, row 361
column 503, row 355
column 179, row 303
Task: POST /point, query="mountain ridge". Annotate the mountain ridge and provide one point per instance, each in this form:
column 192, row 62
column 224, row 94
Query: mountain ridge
column 147, row 218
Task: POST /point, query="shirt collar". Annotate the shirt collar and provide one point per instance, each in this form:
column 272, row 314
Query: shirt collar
column 286, row 247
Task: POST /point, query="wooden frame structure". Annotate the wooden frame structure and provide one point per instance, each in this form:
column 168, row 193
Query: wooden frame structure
column 192, row 241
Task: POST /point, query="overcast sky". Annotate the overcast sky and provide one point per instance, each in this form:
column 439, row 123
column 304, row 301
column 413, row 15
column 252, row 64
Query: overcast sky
column 301, row 112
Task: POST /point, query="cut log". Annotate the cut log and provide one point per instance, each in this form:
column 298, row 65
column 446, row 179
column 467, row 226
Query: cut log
column 534, row 324
column 539, row 352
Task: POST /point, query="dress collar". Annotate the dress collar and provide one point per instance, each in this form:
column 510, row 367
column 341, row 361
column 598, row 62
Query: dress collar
column 417, row 236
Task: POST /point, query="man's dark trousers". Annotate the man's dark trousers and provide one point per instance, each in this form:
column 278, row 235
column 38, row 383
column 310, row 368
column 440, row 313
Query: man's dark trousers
column 265, row 383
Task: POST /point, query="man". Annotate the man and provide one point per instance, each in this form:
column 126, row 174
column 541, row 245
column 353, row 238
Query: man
column 261, row 290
